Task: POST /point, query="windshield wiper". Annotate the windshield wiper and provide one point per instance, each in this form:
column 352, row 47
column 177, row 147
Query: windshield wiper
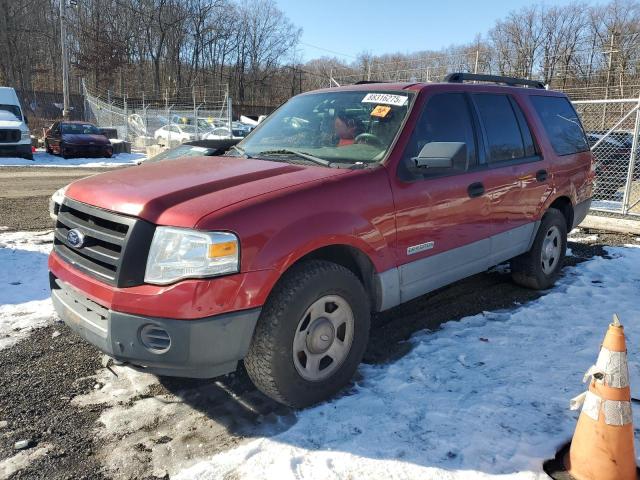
column 241, row 151
column 306, row 156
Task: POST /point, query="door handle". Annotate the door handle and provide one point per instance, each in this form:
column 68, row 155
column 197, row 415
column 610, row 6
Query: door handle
column 475, row 189
column 542, row 175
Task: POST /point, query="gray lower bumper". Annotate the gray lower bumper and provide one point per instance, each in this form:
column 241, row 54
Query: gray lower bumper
column 16, row 150
column 203, row 348
column 580, row 212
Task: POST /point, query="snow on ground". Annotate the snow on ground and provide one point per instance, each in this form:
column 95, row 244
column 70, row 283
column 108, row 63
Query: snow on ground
column 24, row 284
column 483, row 397
column 43, row 159
column 146, row 430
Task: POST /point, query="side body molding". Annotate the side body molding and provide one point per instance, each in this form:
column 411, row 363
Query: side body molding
column 401, row 284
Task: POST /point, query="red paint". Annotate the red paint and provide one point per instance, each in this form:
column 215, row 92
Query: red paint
column 282, row 212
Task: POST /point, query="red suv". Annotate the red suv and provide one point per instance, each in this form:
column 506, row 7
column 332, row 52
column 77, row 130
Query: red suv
column 345, row 201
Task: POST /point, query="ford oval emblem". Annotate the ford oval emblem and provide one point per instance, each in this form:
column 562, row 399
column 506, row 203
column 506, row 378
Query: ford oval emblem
column 75, row 238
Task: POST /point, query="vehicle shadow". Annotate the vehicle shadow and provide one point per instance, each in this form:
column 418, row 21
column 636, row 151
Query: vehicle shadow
column 234, row 402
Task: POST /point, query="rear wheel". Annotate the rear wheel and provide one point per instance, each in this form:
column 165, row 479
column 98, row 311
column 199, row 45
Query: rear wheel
column 540, row 267
column 311, row 335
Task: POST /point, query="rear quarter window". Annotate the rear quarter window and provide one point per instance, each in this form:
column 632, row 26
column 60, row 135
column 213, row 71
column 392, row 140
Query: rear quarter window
column 561, row 124
column 507, row 138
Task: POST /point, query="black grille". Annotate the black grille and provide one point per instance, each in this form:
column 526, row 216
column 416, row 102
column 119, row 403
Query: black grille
column 115, row 246
column 10, row 135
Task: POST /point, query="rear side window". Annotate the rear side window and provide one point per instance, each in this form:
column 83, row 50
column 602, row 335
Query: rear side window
column 445, row 118
column 507, row 137
column 562, row 124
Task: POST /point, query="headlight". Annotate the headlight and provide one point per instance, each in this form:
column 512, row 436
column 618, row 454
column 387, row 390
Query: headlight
column 55, row 201
column 25, row 135
column 178, row 253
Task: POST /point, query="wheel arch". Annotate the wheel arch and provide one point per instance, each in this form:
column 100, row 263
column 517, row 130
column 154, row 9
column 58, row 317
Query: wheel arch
column 565, row 206
column 348, row 256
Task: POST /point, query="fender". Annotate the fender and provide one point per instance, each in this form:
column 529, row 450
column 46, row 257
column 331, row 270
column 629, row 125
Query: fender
column 276, row 230
column 321, row 230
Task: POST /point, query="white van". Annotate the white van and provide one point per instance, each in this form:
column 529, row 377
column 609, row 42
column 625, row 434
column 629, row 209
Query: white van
column 15, row 138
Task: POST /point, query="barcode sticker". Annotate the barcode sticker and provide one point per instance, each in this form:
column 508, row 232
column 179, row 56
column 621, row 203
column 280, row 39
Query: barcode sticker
column 385, row 98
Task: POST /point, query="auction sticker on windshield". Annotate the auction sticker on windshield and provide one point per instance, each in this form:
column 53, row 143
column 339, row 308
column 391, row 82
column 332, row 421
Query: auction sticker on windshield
column 386, row 98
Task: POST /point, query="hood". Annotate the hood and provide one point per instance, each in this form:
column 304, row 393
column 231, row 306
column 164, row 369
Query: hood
column 180, row 192
column 85, row 139
column 9, row 120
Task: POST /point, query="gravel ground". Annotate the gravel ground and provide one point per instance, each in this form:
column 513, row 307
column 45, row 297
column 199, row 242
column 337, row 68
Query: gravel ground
column 40, row 376
column 25, row 192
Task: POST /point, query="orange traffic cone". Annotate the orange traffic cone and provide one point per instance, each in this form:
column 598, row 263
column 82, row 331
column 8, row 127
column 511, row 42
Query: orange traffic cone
column 602, row 445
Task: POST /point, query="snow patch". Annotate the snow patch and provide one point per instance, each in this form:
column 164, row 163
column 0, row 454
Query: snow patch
column 44, row 159
column 499, row 409
column 147, row 430
column 21, row 460
column 24, row 284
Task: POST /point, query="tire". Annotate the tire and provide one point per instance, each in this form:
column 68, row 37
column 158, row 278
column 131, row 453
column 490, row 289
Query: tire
column 28, row 156
column 286, row 319
column 63, row 152
column 540, row 267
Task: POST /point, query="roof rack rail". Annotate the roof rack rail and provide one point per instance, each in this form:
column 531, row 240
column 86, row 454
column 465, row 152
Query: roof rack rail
column 366, row 82
column 460, row 77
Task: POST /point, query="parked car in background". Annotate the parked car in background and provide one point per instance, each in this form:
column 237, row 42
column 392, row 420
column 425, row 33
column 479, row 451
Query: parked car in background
column 219, row 133
column 241, row 129
column 622, row 136
column 77, row 139
column 612, row 154
column 15, row 138
column 175, row 133
column 343, row 202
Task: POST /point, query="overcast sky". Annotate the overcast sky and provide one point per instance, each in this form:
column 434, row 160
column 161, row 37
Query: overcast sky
column 349, row 27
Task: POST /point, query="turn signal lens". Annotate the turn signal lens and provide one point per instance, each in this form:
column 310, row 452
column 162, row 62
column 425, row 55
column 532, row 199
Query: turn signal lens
column 225, row 249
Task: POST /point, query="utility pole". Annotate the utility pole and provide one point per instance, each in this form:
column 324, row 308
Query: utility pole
column 606, row 90
column 65, row 61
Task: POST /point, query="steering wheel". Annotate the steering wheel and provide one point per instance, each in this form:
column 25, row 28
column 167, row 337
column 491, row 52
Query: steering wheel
column 368, row 139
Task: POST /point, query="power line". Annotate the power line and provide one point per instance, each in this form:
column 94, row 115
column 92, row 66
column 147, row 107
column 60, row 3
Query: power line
column 328, row 50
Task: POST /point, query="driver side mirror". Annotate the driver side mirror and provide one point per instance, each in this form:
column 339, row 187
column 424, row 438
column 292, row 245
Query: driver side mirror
column 441, row 155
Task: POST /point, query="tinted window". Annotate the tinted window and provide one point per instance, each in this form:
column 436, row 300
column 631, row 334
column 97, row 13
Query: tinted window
column 446, row 118
column 80, row 129
column 13, row 109
column 561, row 123
column 501, row 126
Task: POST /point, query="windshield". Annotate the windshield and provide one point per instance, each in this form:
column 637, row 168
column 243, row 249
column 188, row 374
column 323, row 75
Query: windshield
column 13, row 109
column 342, row 127
column 188, row 128
column 182, row 151
column 80, row 129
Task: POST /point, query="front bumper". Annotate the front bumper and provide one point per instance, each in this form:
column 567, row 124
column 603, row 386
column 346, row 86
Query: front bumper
column 88, row 150
column 16, row 150
column 203, row 348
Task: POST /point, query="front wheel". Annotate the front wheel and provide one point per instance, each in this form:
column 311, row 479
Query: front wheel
column 540, row 267
column 64, row 153
column 311, row 334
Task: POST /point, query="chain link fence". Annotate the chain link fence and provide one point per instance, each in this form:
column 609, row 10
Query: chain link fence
column 612, row 128
column 168, row 121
